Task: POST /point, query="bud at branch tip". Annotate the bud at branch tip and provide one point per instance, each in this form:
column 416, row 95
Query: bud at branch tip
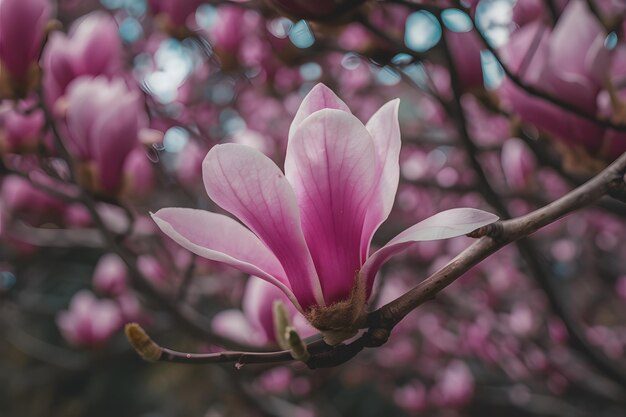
column 141, row 342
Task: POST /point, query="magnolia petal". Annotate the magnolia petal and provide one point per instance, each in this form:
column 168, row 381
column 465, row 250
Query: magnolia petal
column 86, row 97
column 444, row 225
column 331, row 163
column 220, row 238
column 320, row 97
column 114, row 136
column 22, row 27
column 385, row 130
column 96, row 38
column 234, row 325
column 257, row 305
column 248, row 184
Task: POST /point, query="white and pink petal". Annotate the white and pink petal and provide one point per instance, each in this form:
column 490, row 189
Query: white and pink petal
column 385, row 131
column 220, row 238
column 320, row 97
column 443, row 225
column 249, row 185
column 331, row 164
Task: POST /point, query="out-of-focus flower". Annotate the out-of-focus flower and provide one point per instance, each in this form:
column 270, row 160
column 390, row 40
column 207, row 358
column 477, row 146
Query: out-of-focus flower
column 412, row 397
column 227, row 32
column 92, row 47
column 189, row 164
column 111, row 275
column 138, row 174
column 103, row 119
column 20, row 132
column 389, row 19
column 152, row 269
column 318, row 10
column 518, row 163
column 173, row 14
column 309, row 230
column 254, row 323
column 552, row 61
column 22, row 27
column 20, row 199
column 276, row 380
column 254, row 140
column 454, row 387
column 89, row 322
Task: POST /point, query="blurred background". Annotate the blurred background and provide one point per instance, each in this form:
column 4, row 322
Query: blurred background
column 107, row 109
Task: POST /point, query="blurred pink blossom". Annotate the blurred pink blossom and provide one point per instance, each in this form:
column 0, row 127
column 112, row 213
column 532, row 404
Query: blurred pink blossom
column 276, row 381
column 254, row 323
column 103, row 120
column 412, row 397
column 26, row 202
column 309, row 230
column 22, row 26
column 89, row 321
column 92, row 47
column 228, row 31
column 111, row 275
column 138, row 173
column 551, row 60
column 454, row 387
column 153, row 270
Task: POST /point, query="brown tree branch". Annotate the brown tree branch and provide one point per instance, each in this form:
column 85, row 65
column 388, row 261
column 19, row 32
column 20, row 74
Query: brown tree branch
column 496, row 237
column 380, row 322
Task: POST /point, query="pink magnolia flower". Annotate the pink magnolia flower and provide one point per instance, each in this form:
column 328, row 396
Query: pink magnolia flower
column 110, row 275
column 92, row 47
column 308, row 231
column 568, row 62
column 103, row 122
column 89, row 321
column 254, row 323
column 22, row 25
